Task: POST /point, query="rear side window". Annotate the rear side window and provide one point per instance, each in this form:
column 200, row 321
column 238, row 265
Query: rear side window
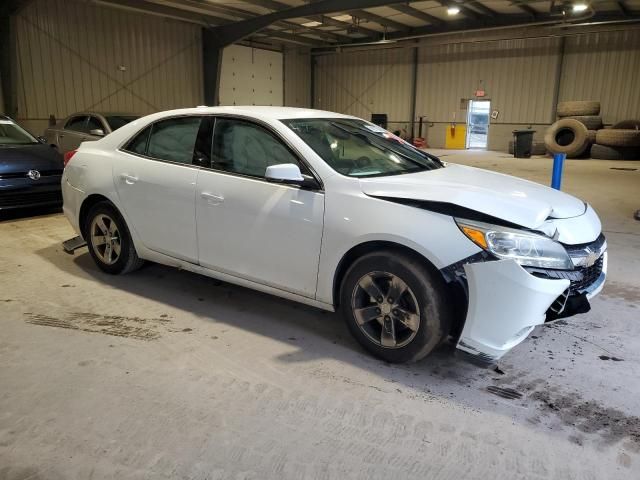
column 94, row 124
column 77, row 124
column 174, row 139
column 139, row 143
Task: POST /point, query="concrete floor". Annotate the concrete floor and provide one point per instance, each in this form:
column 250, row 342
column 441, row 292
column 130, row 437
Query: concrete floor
column 164, row 374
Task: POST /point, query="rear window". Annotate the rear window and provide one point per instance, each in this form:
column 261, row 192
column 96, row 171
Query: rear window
column 117, row 121
column 13, row 134
column 139, row 143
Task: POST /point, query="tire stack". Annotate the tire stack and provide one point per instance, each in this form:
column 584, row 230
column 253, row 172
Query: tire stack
column 621, row 142
column 576, row 129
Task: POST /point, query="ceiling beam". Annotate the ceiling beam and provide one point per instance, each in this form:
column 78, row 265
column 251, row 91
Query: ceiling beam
column 480, row 7
column 227, row 34
column 325, row 20
column 522, row 5
column 503, row 20
column 622, row 6
column 385, row 22
column 211, row 8
column 419, row 14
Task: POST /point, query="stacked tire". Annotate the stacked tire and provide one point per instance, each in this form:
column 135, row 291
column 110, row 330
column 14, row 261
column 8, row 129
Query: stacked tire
column 621, row 142
column 576, row 129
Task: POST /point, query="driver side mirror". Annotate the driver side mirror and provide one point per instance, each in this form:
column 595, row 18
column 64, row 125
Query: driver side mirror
column 97, row 132
column 284, row 173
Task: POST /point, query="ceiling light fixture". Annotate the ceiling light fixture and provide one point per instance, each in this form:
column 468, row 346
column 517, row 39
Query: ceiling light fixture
column 580, row 7
column 452, row 10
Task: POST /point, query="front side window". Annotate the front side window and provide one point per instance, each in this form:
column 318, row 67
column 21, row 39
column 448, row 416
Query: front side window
column 94, row 124
column 360, row 149
column 243, row 147
column 77, row 124
column 13, row 134
column 174, row 139
column 117, row 121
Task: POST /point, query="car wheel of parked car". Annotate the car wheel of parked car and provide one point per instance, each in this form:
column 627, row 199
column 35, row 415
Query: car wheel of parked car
column 394, row 306
column 109, row 240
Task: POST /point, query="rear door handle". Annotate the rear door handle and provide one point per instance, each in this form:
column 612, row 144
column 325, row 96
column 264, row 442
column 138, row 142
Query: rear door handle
column 212, row 199
column 128, row 179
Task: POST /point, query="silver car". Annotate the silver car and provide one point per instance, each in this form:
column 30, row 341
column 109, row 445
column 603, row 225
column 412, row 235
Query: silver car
column 80, row 127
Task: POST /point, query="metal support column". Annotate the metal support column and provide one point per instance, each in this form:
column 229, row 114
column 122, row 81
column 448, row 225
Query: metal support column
column 414, row 91
column 211, row 66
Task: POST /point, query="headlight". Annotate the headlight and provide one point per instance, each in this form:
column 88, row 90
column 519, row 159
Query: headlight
column 526, row 248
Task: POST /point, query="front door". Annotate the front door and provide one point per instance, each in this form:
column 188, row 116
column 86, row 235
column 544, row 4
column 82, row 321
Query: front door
column 73, row 133
column 155, row 178
column 251, row 228
column 478, row 123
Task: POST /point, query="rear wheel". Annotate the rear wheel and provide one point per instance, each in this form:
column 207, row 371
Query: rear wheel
column 109, row 240
column 394, row 306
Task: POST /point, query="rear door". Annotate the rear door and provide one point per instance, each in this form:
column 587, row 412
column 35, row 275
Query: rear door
column 252, row 228
column 73, row 133
column 155, row 178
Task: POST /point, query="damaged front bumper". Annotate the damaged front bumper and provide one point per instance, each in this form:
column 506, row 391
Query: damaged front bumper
column 505, row 304
column 507, row 301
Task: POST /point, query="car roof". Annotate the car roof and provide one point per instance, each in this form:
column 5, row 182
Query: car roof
column 106, row 114
column 264, row 112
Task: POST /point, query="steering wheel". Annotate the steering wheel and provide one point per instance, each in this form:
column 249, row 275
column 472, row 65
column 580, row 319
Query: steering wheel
column 360, row 162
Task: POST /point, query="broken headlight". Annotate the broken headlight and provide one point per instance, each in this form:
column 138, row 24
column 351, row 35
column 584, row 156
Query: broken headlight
column 526, row 248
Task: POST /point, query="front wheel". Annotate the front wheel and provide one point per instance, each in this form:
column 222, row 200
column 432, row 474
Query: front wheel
column 395, row 306
column 109, row 241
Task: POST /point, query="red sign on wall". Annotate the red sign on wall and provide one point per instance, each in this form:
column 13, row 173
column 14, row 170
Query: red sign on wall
column 480, row 93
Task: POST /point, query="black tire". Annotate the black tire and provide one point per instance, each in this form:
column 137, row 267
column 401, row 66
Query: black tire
column 567, row 136
column 581, row 107
column 618, row 137
column 604, row 152
column 591, row 136
column 592, row 122
column 127, row 259
column 426, row 294
column 627, row 125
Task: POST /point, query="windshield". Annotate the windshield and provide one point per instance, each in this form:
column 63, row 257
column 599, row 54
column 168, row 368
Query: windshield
column 361, row 149
column 117, row 121
column 12, row 134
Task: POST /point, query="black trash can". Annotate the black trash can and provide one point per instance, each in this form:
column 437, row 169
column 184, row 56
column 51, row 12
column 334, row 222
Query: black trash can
column 522, row 143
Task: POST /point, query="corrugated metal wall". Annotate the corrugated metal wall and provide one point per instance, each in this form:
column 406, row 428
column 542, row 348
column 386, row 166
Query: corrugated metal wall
column 604, row 67
column 366, row 82
column 74, row 55
column 251, row 76
column 518, row 77
column 297, row 78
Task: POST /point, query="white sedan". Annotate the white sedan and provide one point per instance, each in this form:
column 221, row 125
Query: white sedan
column 335, row 212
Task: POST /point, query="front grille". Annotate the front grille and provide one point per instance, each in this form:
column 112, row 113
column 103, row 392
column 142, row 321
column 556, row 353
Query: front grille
column 29, row 198
column 43, row 173
column 581, row 278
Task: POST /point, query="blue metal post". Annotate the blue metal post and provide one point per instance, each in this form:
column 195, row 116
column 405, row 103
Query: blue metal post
column 558, row 164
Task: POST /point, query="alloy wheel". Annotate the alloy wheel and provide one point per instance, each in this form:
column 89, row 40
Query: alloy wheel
column 105, row 239
column 385, row 309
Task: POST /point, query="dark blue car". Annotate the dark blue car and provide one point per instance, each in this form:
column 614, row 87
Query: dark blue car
column 30, row 170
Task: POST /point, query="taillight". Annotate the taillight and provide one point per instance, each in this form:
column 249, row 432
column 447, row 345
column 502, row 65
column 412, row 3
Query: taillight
column 68, row 155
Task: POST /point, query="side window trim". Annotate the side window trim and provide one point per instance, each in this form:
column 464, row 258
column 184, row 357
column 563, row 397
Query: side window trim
column 277, row 136
column 73, row 119
column 123, row 146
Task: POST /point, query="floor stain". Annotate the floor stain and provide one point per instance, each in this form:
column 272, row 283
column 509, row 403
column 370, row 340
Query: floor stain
column 508, row 393
column 587, row 416
column 619, row 290
column 120, row 326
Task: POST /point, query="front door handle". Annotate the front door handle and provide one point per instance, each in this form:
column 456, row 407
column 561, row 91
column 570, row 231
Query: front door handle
column 128, row 179
column 212, row 199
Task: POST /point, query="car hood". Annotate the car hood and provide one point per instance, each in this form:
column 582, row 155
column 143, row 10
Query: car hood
column 514, row 200
column 22, row 158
